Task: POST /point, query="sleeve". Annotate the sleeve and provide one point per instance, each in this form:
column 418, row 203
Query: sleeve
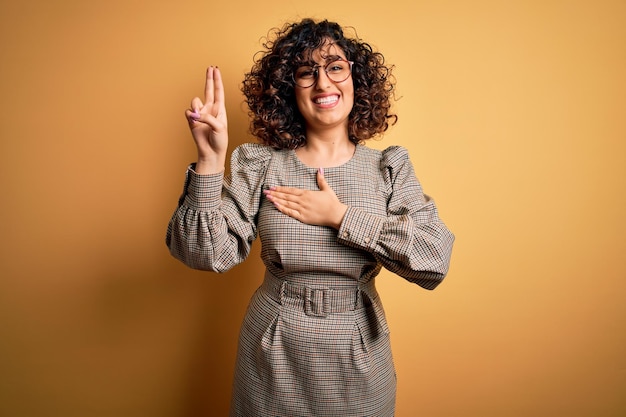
column 214, row 224
column 411, row 240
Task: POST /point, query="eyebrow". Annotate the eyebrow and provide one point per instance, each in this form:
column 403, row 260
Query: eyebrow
column 329, row 58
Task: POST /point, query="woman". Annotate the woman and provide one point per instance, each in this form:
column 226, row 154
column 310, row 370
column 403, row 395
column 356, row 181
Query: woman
column 330, row 214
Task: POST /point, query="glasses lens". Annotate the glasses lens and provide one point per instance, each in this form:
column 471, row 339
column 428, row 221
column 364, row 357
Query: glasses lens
column 338, row 71
column 305, row 76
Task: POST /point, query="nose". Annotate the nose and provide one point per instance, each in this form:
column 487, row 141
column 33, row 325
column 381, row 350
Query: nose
column 322, row 81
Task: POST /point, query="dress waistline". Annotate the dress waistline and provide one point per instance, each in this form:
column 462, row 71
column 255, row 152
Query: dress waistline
column 318, row 300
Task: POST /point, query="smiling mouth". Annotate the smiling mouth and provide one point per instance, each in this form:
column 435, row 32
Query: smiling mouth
column 327, row 100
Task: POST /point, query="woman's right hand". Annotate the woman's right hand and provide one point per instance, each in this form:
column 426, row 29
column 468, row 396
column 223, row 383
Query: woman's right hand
column 209, row 126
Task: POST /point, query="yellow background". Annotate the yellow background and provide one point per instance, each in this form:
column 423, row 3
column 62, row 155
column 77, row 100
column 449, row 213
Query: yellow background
column 514, row 116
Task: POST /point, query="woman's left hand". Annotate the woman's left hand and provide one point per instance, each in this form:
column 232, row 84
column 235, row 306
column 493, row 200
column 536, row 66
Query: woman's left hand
column 321, row 208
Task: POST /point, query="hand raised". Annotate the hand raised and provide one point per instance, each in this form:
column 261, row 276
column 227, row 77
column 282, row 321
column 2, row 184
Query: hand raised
column 321, row 208
column 208, row 123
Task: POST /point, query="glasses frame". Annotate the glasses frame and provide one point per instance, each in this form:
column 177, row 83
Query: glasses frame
column 316, row 69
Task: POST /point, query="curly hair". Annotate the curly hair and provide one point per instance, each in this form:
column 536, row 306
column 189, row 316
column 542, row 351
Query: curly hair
column 269, row 87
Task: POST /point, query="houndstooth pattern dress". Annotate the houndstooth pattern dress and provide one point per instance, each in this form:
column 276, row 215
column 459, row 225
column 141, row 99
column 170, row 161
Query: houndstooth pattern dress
column 314, row 341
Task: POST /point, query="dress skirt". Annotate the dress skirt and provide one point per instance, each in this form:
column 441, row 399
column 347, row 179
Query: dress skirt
column 314, row 352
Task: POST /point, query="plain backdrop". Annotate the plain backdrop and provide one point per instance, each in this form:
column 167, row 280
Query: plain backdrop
column 513, row 113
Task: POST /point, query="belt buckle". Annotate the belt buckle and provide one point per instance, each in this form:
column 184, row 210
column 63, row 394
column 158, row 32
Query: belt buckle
column 316, row 302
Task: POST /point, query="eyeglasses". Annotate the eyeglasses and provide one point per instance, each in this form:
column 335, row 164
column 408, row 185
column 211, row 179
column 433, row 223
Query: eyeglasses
column 337, row 71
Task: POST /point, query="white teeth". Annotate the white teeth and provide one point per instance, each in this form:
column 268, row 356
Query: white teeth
column 326, row 100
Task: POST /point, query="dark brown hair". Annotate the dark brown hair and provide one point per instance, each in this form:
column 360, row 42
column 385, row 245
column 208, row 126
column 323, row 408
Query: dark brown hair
column 269, row 86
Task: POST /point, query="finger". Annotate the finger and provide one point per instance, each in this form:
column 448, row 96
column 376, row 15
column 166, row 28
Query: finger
column 208, row 119
column 285, row 199
column 196, row 104
column 287, row 211
column 219, row 85
column 321, row 180
column 209, row 86
column 283, row 191
column 193, row 114
column 280, row 200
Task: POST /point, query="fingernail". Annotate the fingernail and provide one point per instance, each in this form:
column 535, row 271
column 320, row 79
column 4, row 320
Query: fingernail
column 321, row 170
column 195, row 115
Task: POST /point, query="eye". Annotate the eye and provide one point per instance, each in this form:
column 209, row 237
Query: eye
column 305, row 72
column 336, row 66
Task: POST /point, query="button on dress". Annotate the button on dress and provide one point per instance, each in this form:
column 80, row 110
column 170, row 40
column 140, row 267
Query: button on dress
column 314, row 340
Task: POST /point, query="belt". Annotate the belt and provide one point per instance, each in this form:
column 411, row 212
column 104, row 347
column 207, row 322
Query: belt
column 317, row 300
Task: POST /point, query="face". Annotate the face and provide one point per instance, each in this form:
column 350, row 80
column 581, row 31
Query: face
column 326, row 104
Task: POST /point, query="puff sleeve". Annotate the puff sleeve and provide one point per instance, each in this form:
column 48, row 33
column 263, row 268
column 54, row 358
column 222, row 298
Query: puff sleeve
column 411, row 240
column 214, row 224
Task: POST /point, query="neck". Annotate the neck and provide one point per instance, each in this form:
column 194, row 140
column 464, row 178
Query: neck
column 326, row 151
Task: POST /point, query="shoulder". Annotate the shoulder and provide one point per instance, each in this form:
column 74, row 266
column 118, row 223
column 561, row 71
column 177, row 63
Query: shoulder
column 395, row 164
column 251, row 156
column 394, row 156
column 388, row 156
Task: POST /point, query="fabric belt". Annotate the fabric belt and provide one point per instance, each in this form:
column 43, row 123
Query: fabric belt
column 317, row 300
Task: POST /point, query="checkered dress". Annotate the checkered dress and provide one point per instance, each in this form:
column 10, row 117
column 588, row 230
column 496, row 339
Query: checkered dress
column 314, row 341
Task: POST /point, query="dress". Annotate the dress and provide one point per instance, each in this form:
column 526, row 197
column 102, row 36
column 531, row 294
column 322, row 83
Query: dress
column 314, row 340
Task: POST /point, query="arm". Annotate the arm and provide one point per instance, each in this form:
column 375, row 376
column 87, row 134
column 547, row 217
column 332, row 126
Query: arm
column 212, row 228
column 411, row 240
column 215, row 223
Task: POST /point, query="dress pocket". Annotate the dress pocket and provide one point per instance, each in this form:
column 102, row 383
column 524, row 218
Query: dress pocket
column 266, row 351
column 371, row 334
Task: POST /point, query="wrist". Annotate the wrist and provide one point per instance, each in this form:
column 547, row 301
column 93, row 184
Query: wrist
column 340, row 214
column 210, row 164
